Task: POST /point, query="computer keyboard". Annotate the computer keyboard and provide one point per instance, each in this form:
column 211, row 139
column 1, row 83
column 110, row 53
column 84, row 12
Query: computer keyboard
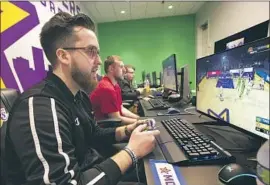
column 158, row 104
column 198, row 148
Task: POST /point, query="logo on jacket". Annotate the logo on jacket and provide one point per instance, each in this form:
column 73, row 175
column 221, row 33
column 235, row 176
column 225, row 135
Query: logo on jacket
column 4, row 116
column 77, row 122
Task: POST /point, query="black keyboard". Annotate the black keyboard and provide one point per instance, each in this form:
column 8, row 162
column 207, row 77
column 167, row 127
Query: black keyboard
column 197, row 148
column 158, row 104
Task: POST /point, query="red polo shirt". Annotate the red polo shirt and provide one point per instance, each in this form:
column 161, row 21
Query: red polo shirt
column 106, row 98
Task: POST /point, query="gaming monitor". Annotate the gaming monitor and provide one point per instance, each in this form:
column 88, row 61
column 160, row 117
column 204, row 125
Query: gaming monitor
column 233, row 86
column 148, row 77
column 154, row 78
column 184, row 86
column 143, row 76
column 170, row 73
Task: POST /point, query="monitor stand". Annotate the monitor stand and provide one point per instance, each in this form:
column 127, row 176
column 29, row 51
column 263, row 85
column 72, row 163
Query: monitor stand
column 166, row 94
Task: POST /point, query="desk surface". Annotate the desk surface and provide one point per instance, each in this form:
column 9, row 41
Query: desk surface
column 193, row 175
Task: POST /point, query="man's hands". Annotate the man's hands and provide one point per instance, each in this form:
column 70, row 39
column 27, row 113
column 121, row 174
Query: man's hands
column 124, row 132
column 142, row 142
column 131, row 127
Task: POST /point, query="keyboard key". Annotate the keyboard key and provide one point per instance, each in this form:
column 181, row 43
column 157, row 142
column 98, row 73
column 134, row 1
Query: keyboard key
column 204, row 153
column 193, row 155
column 181, row 143
column 185, row 148
column 214, row 152
column 204, row 150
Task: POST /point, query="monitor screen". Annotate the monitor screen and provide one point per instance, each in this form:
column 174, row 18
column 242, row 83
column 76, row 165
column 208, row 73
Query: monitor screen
column 170, row 73
column 234, row 86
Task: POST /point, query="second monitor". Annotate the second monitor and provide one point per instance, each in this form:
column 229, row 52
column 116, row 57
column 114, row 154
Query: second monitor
column 170, row 81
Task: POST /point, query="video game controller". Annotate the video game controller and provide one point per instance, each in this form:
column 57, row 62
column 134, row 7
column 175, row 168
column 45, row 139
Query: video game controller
column 151, row 124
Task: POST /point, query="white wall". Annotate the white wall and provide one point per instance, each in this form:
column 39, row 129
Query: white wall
column 228, row 18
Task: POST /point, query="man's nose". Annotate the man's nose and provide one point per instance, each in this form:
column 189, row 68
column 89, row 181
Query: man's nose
column 98, row 61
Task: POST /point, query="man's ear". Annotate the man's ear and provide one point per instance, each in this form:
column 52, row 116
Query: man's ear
column 110, row 68
column 63, row 56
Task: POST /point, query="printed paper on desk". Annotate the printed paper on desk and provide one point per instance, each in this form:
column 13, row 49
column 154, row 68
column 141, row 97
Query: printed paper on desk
column 165, row 173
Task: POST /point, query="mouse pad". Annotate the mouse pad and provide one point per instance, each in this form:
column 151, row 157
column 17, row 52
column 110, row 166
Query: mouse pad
column 165, row 173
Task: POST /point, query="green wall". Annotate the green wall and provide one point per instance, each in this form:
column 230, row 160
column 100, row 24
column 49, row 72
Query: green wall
column 146, row 43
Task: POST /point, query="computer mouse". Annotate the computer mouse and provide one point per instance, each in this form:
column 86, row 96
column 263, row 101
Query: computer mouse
column 173, row 111
column 235, row 174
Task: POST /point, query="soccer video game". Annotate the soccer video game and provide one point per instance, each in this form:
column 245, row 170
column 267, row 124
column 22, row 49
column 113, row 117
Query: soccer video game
column 169, row 70
column 234, row 86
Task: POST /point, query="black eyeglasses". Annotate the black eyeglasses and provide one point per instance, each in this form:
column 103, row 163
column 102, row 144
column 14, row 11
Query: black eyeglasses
column 91, row 51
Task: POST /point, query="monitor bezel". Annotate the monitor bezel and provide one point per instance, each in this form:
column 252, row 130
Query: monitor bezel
column 220, row 121
column 176, row 80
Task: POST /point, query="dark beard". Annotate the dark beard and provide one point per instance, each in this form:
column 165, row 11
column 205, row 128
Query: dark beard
column 83, row 80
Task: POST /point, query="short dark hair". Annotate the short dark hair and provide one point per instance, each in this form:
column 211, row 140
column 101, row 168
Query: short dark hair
column 128, row 66
column 59, row 31
column 109, row 61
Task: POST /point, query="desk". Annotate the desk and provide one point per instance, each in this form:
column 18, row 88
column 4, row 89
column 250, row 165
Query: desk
column 193, row 175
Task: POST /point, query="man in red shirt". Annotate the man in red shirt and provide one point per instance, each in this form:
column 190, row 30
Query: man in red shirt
column 106, row 99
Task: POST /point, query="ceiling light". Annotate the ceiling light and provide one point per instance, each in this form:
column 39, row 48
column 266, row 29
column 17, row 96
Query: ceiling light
column 170, row 7
column 123, row 11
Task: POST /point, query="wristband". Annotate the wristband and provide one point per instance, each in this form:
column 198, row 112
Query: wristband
column 132, row 155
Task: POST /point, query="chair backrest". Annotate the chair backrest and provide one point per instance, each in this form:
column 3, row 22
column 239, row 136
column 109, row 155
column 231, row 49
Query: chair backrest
column 8, row 97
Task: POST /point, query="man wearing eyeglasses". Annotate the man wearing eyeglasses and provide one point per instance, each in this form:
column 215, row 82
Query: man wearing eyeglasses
column 106, row 99
column 128, row 92
column 51, row 135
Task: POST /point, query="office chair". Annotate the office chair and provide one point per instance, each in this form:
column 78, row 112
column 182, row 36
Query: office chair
column 8, row 97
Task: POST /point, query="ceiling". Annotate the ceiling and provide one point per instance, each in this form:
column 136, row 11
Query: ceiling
column 110, row 10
